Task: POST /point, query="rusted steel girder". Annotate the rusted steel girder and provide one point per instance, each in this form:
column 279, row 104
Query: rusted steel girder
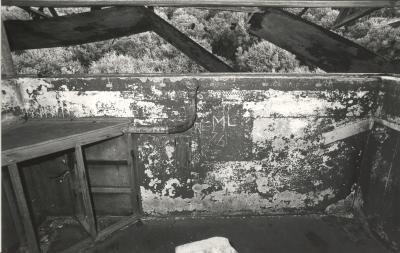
column 315, row 45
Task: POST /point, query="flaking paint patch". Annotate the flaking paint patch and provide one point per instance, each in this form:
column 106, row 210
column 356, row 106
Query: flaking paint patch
column 222, row 203
column 297, row 104
column 254, row 150
column 40, row 99
column 288, row 166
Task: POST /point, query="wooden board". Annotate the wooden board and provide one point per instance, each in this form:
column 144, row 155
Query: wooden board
column 273, row 3
column 87, row 219
column 22, row 204
column 316, row 45
column 37, row 138
column 75, row 29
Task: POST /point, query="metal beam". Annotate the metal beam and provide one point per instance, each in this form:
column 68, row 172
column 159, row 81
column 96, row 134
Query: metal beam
column 75, row 29
column 185, row 44
column 202, row 3
column 315, row 45
column 351, row 14
column 7, row 64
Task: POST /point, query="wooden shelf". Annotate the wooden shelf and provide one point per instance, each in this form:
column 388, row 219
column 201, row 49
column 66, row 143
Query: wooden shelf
column 38, row 138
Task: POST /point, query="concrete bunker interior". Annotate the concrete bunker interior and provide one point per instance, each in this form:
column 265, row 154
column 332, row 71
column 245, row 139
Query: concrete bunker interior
column 144, row 163
column 277, row 150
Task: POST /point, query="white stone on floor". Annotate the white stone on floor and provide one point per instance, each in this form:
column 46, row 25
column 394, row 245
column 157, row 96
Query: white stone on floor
column 210, row 245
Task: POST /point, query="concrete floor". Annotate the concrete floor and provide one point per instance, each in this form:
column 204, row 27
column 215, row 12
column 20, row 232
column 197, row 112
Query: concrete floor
column 283, row 234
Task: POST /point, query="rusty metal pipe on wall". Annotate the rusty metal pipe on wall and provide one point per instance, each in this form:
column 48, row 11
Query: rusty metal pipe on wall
column 171, row 129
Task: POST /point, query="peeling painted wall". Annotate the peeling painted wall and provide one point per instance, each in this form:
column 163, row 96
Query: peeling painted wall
column 257, row 146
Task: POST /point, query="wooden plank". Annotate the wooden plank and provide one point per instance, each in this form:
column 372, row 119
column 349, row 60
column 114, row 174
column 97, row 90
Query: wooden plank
column 315, row 45
column 347, row 131
column 15, row 214
column 80, row 246
column 136, row 166
column 185, row 44
column 90, row 222
column 22, row 204
column 266, row 3
column 58, row 144
column 351, row 14
column 75, row 29
column 391, row 125
column 53, row 12
column 7, row 65
column 103, row 234
column 132, row 174
column 394, row 24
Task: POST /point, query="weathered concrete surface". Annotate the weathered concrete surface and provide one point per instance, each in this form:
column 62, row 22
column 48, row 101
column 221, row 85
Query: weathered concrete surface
column 380, row 174
column 257, row 146
column 260, row 152
column 380, row 182
column 389, row 101
column 285, row 234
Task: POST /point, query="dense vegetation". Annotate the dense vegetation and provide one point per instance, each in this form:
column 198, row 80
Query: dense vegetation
column 223, row 33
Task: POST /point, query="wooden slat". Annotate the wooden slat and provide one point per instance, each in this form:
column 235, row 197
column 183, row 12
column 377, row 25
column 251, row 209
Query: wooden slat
column 75, row 29
column 316, row 45
column 7, row 65
column 392, row 125
column 103, row 234
column 267, row 3
column 132, row 174
column 347, row 131
column 349, row 15
column 22, row 204
column 136, row 166
column 186, row 45
column 53, row 12
column 15, row 214
column 90, row 222
column 394, row 24
column 59, row 144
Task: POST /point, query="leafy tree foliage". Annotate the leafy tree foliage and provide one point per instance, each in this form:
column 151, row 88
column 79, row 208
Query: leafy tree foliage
column 53, row 61
column 223, row 33
column 266, row 57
